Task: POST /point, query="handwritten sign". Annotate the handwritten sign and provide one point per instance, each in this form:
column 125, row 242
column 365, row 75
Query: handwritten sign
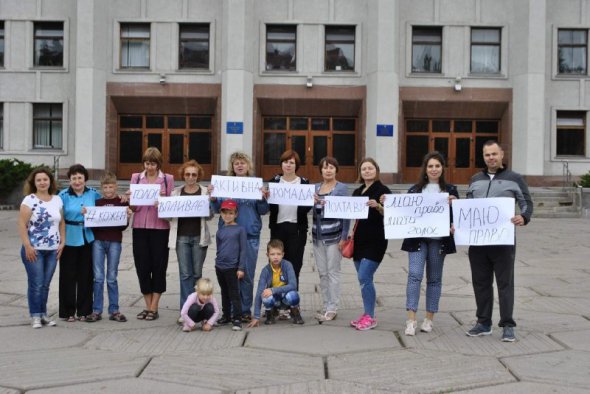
column 236, row 187
column 105, row 216
column 339, row 207
column 144, row 194
column 416, row 215
column 484, row 221
column 183, row 206
column 291, row 194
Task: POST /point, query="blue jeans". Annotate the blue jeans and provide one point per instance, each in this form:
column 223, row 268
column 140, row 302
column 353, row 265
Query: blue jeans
column 429, row 255
column 247, row 282
column 112, row 251
column 39, row 274
column 365, row 270
column 276, row 300
column 191, row 257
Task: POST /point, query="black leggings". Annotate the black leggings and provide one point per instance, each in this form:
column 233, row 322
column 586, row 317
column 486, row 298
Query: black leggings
column 150, row 252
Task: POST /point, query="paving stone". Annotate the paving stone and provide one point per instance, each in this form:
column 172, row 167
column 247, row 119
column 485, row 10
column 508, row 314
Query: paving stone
column 447, row 303
column 319, row 386
column 6, row 299
column 572, row 306
column 578, row 340
column 26, row 338
column 14, row 316
column 127, row 385
column 415, row 370
column 314, row 302
column 6, row 390
column 526, row 388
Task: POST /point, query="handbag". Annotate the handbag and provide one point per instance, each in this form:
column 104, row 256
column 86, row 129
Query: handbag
column 348, row 246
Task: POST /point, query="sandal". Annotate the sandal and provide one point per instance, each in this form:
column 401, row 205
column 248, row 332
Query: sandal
column 71, row 319
column 82, row 318
column 141, row 315
column 152, row 315
column 118, row 316
column 93, row 317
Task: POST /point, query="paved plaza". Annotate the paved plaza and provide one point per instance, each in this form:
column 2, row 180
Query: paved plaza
column 551, row 355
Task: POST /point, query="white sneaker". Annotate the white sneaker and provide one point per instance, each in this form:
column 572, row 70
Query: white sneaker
column 37, row 322
column 48, row 322
column 426, row 325
column 180, row 321
column 411, row 327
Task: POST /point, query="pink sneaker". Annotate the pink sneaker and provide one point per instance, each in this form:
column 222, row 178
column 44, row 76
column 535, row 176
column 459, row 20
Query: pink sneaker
column 355, row 323
column 366, row 323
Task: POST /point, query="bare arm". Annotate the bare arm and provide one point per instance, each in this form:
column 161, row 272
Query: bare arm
column 23, row 218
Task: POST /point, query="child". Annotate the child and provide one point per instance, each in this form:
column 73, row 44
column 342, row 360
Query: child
column 200, row 306
column 277, row 286
column 232, row 254
column 107, row 243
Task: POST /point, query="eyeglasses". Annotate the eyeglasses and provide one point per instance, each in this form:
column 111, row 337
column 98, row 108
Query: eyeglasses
column 191, row 174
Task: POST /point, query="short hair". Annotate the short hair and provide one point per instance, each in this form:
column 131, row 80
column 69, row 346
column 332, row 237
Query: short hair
column 108, row 178
column 359, row 179
column 490, row 143
column 240, row 156
column 29, row 186
column 291, row 154
column 152, row 154
column 326, row 161
column 204, row 286
column 191, row 163
column 275, row 244
column 77, row 169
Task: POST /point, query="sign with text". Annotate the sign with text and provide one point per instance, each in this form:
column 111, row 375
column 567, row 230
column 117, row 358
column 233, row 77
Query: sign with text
column 236, row 187
column 339, row 207
column 183, row 206
column 105, row 216
column 416, row 215
column 144, row 194
column 291, row 194
column 484, row 221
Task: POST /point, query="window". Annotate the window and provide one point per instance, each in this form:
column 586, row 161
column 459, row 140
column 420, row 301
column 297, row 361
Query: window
column 426, row 49
column 571, row 133
column 340, row 48
column 135, row 45
column 1, row 43
column 485, row 50
column 1, row 125
column 572, row 51
column 281, row 45
column 194, row 46
column 49, row 44
column 47, row 126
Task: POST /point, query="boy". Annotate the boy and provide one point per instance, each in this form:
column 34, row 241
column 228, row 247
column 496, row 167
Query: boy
column 277, row 286
column 201, row 307
column 107, row 243
column 230, row 263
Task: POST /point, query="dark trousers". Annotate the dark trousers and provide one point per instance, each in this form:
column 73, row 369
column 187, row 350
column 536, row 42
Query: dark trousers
column 150, row 253
column 75, row 281
column 231, row 303
column 487, row 262
column 198, row 314
column 294, row 238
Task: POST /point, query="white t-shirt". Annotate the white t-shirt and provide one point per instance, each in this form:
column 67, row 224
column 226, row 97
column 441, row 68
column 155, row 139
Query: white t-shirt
column 288, row 213
column 431, row 188
column 43, row 226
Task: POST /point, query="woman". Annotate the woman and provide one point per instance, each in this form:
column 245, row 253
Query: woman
column 42, row 229
column 369, row 240
column 75, row 270
column 249, row 212
column 328, row 238
column 429, row 252
column 189, row 236
column 289, row 222
column 150, row 236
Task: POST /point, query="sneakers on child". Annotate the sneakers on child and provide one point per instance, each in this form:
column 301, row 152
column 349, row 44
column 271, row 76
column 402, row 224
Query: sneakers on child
column 508, row 334
column 180, row 321
column 237, row 325
column 479, row 330
column 426, row 325
column 270, row 316
column 295, row 314
column 47, row 322
column 186, row 329
column 355, row 323
column 223, row 321
column 366, row 323
column 411, row 327
column 328, row 316
column 37, row 322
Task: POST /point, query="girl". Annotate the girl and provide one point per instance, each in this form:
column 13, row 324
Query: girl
column 200, row 307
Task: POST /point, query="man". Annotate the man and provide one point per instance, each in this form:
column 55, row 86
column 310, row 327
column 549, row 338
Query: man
column 486, row 261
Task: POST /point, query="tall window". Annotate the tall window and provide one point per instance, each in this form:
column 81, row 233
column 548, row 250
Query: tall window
column 194, row 46
column 1, row 43
column 47, row 126
column 572, row 48
column 426, row 49
column 281, row 47
column 340, row 48
column 135, row 45
column 485, row 50
column 571, row 133
column 49, row 44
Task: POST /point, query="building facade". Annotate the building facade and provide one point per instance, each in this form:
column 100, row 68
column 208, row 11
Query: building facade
column 98, row 81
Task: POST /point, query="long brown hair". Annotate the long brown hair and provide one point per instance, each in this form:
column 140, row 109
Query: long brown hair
column 423, row 181
column 29, row 186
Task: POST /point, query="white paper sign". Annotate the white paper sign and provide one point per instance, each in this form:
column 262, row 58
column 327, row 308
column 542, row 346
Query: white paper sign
column 105, row 216
column 339, row 207
column 291, row 194
column 144, row 194
column 236, row 187
column 484, row 221
column 416, row 215
column 183, row 206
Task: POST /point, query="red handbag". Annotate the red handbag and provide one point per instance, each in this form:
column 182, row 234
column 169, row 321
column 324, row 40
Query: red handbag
column 348, row 246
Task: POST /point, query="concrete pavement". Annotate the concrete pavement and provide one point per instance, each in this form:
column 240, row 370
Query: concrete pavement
column 552, row 353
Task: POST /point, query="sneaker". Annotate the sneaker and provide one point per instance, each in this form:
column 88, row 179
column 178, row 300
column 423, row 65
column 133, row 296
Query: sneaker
column 508, row 334
column 296, row 315
column 180, row 321
column 47, row 322
column 328, row 316
column 37, row 322
column 367, row 323
column 355, row 323
column 186, row 329
column 246, row 318
column 270, row 316
column 411, row 327
column 237, row 325
column 426, row 325
column 478, row 330
column 223, row 321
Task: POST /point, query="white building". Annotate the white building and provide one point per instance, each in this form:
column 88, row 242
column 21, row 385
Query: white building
column 97, row 81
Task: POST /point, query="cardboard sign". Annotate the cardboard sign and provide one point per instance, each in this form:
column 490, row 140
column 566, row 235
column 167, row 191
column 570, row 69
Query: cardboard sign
column 339, row 207
column 144, row 194
column 244, row 187
column 291, row 194
column 183, row 206
column 484, row 221
column 105, row 216
column 416, row 215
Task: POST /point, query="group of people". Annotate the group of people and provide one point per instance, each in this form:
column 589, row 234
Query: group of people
column 52, row 228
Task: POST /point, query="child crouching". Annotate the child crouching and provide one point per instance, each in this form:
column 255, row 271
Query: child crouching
column 200, row 307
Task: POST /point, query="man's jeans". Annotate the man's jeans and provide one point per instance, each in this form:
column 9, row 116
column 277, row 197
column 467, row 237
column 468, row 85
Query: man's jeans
column 112, row 251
